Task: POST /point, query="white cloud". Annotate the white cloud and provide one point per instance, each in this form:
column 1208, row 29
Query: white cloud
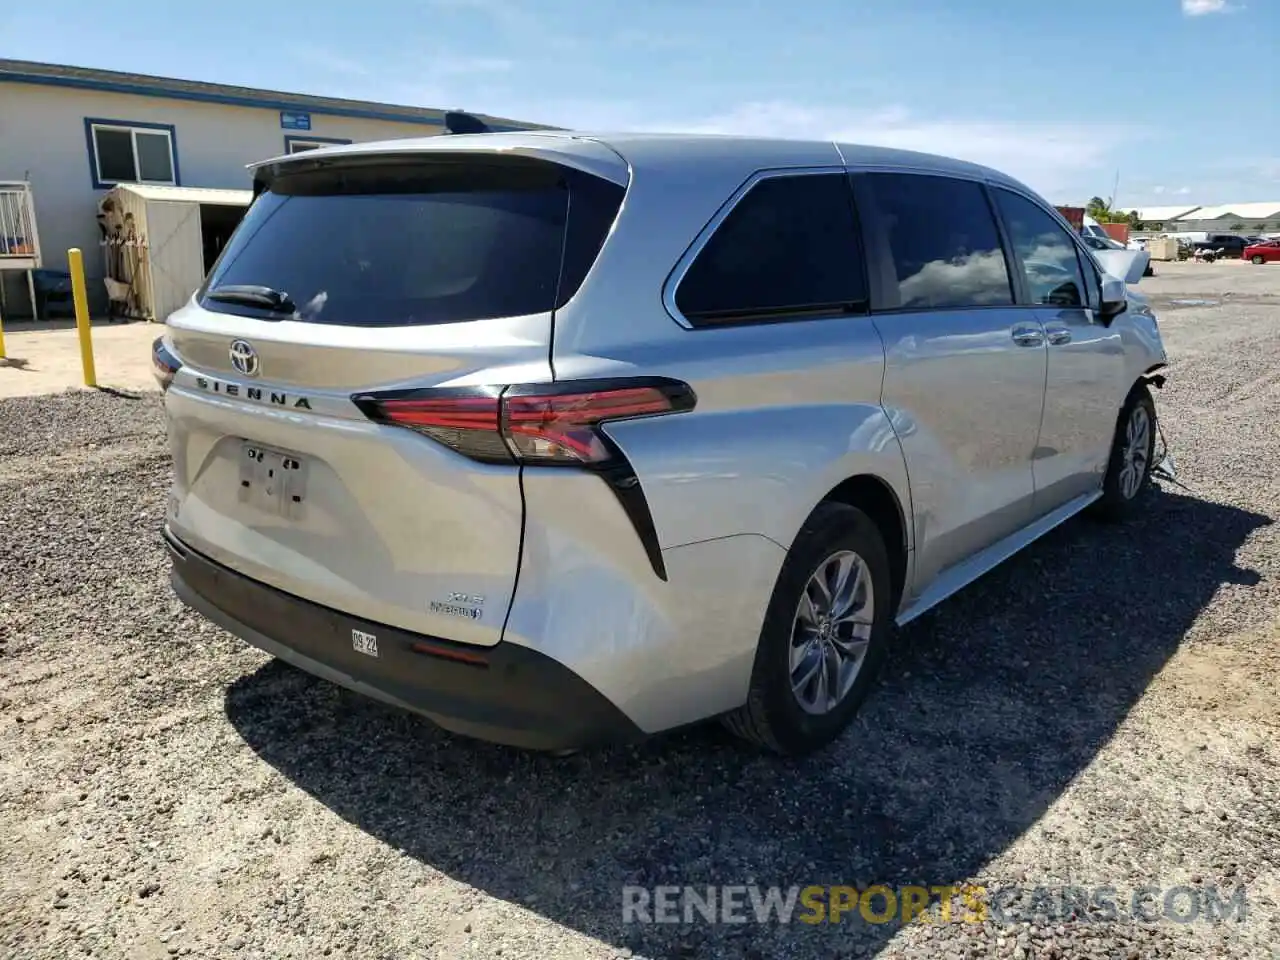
column 521, row 23
column 1048, row 156
column 1157, row 190
column 326, row 59
column 467, row 66
column 1183, row 191
column 1198, row 8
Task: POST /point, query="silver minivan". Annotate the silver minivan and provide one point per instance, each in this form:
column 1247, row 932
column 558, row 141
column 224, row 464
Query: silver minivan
column 561, row 439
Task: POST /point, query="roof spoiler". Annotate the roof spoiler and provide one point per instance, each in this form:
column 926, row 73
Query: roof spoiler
column 458, row 121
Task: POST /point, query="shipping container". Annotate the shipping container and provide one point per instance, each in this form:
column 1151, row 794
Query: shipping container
column 1117, row 231
column 1073, row 216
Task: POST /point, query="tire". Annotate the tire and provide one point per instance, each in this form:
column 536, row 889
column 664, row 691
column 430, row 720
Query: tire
column 1258, row 259
column 1122, row 497
column 775, row 716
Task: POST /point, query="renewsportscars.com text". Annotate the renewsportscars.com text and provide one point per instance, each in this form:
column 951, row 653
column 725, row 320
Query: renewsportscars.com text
column 945, row 903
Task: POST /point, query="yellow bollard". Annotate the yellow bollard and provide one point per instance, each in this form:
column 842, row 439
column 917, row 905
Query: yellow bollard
column 75, row 263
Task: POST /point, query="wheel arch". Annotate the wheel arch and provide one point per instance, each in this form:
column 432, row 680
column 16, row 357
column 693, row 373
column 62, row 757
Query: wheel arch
column 1153, row 376
column 878, row 500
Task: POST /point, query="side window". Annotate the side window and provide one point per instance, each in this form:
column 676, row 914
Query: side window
column 1045, row 252
column 789, row 248
column 943, row 239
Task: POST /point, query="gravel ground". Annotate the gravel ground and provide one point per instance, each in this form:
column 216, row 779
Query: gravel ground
column 1101, row 711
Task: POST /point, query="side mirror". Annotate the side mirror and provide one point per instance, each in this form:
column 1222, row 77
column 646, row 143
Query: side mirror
column 1113, row 299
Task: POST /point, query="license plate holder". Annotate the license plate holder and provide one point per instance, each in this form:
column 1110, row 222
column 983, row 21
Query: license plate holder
column 273, row 481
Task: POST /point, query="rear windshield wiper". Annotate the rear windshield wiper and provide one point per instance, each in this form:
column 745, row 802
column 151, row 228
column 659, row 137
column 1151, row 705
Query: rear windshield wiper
column 252, row 295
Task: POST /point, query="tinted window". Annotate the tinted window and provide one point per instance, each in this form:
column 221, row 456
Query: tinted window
column 115, row 154
column 789, row 248
column 1045, row 251
column 420, row 243
column 943, row 238
column 155, row 161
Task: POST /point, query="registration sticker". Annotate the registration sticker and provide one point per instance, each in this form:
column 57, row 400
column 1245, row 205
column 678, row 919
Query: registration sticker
column 365, row 643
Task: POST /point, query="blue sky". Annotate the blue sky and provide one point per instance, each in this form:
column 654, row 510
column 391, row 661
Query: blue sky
column 1179, row 96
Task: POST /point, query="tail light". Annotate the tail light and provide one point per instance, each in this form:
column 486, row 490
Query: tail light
column 555, row 424
column 549, row 424
column 164, row 365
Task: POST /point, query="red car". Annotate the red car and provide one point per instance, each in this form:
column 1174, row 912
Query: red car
column 1268, row 252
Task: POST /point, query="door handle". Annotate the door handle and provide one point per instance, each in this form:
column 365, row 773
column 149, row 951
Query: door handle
column 1058, row 336
column 1026, row 335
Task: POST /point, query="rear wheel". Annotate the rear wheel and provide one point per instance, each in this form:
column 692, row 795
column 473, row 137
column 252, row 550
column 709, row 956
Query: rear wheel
column 1259, row 259
column 825, row 635
column 1132, row 454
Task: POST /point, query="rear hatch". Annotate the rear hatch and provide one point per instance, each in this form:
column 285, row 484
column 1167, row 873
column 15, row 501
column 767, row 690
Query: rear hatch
column 367, row 274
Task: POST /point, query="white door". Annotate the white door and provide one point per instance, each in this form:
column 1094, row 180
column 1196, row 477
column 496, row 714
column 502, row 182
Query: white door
column 176, row 256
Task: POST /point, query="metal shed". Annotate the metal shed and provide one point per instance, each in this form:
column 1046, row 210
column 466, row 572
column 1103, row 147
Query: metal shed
column 158, row 243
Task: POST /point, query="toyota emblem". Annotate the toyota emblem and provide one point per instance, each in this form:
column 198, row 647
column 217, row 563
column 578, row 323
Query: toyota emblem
column 244, row 358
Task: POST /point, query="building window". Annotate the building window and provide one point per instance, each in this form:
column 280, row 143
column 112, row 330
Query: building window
column 123, row 152
column 303, row 144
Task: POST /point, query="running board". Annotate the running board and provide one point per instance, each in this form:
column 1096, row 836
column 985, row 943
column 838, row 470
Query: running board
column 963, row 574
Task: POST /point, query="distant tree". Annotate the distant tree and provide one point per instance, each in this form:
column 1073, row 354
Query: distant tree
column 1099, row 209
column 1237, row 226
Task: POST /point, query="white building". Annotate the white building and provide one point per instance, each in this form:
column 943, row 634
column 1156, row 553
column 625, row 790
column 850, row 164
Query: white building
column 1160, row 219
column 1244, row 219
column 74, row 133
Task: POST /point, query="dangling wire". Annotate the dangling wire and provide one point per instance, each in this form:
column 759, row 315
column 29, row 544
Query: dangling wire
column 1164, row 474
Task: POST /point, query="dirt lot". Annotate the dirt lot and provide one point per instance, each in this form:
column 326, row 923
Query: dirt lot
column 45, row 357
column 1103, row 710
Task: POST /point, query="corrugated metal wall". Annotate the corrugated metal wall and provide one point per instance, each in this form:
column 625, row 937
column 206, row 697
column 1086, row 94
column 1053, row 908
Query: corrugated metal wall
column 176, row 262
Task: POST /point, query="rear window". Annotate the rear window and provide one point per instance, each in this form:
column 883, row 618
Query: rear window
column 790, row 249
column 416, row 243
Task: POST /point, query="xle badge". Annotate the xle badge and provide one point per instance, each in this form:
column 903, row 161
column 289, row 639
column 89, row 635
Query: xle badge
column 467, row 605
column 365, row 643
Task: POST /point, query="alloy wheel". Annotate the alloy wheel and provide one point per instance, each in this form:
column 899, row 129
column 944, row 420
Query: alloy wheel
column 831, row 632
column 1136, row 452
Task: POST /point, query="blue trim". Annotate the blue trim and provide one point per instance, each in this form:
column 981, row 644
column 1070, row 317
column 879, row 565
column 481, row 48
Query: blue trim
column 170, row 93
column 89, row 123
column 290, row 138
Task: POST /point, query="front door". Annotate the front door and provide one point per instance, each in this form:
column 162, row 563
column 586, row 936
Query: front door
column 1085, row 384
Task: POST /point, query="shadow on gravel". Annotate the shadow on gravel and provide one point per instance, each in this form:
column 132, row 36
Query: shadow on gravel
column 992, row 705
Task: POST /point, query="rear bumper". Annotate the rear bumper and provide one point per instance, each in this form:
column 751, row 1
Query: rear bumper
column 505, row 694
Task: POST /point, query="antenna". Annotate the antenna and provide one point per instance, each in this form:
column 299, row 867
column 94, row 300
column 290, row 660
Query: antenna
column 459, row 121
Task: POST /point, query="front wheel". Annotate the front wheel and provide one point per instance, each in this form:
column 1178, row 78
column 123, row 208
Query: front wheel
column 825, row 635
column 1258, row 259
column 1132, row 454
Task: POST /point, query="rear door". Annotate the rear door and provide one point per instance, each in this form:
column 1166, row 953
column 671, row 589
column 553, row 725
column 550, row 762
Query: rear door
column 964, row 366
column 1086, row 373
column 363, row 276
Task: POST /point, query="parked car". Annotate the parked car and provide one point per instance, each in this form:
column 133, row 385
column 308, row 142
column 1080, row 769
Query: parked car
column 1268, row 251
column 456, row 427
column 1222, row 244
